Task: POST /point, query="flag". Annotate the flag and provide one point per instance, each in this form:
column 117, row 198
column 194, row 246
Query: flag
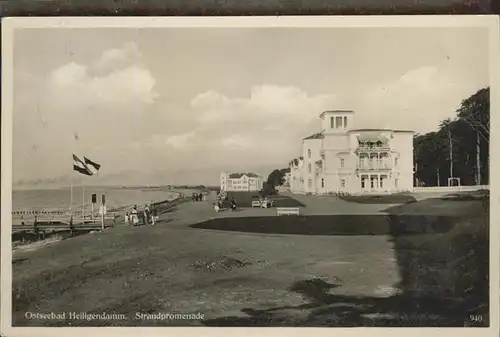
column 80, row 166
column 92, row 164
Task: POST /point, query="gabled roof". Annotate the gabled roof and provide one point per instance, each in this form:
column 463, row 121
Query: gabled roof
column 318, row 135
column 241, row 174
column 337, row 111
column 381, row 130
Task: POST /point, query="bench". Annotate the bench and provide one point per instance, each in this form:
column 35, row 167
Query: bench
column 287, row 211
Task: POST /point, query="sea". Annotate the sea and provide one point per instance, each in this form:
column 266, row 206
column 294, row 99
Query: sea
column 116, row 198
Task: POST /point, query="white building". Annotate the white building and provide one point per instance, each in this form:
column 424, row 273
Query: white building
column 287, row 179
column 340, row 159
column 240, row 182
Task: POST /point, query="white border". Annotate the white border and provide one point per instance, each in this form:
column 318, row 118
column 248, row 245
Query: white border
column 491, row 22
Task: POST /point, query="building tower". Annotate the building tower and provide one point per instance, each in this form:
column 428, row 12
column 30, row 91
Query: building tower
column 336, row 121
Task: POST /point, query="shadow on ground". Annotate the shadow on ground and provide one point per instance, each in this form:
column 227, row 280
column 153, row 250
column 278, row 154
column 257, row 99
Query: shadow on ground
column 397, row 198
column 443, row 264
column 345, row 224
column 325, row 309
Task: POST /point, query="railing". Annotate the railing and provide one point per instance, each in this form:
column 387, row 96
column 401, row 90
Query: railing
column 373, row 149
column 384, row 168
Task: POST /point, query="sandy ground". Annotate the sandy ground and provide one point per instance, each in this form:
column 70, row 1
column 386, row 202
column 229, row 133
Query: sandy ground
column 226, row 276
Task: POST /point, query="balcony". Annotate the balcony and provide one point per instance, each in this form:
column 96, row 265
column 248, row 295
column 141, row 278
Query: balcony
column 372, row 149
column 373, row 168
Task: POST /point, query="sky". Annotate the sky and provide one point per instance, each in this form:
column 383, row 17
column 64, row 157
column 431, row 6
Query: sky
column 180, row 105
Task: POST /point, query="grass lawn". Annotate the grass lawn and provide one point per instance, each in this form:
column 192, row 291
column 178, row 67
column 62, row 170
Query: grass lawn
column 396, row 198
column 344, row 225
column 244, row 199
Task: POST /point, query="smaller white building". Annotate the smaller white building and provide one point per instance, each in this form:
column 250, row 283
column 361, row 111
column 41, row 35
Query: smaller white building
column 233, row 182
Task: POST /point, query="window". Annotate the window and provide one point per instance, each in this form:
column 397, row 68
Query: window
column 309, row 168
column 322, row 183
column 381, row 182
column 372, row 183
column 309, row 153
column 342, row 183
column 395, row 161
column 395, row 183
column 341, row 162
column 310, row 183
column 332, row 123
column 363, row 183
column 338, row 122
column 345, row 121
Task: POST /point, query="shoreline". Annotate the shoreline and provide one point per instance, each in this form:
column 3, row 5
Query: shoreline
column 31, row 211
column 57, row 236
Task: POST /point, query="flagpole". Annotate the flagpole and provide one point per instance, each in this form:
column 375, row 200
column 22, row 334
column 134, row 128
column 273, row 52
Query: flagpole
column 71, row 193
column 83, row 202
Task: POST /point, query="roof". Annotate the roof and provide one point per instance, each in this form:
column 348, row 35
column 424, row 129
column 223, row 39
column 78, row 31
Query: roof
column 381, row 130
column 336, row 111
column 372, row 137
column 318, row 135
column 241, row 174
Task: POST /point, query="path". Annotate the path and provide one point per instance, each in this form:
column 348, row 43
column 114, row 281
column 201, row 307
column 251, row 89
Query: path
column 150, row 268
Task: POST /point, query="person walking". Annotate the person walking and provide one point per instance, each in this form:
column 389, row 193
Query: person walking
column 154, row 214
column 127, row 219
column 135, row 216
column 146, row 214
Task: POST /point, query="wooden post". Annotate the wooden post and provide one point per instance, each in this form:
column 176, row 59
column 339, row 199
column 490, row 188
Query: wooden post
column 35, row 227
column 478, row 160
column 103, row 202
column 71, row 227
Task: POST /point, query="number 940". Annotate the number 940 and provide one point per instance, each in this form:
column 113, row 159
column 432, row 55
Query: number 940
column 476, row 318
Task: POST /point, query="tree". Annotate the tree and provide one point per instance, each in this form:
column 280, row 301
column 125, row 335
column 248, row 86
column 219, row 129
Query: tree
column 475, row 111
column 267, row 189
column 446, row 126
column 277, row 177
column 460, row 146
column 430, row 158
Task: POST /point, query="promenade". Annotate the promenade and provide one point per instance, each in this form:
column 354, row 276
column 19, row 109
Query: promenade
column 226, row 276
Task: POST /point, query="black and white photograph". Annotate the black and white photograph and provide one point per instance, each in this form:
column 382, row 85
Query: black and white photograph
column 314, row 172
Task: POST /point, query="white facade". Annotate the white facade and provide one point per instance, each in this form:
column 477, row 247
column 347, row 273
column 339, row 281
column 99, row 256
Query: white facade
column 341, row 159
column 287, row 179
column 233, row 182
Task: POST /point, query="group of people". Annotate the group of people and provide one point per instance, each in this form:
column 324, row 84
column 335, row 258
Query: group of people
column 149, row 215
column 265, row 202
column 198, row 197
column 221, row 198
